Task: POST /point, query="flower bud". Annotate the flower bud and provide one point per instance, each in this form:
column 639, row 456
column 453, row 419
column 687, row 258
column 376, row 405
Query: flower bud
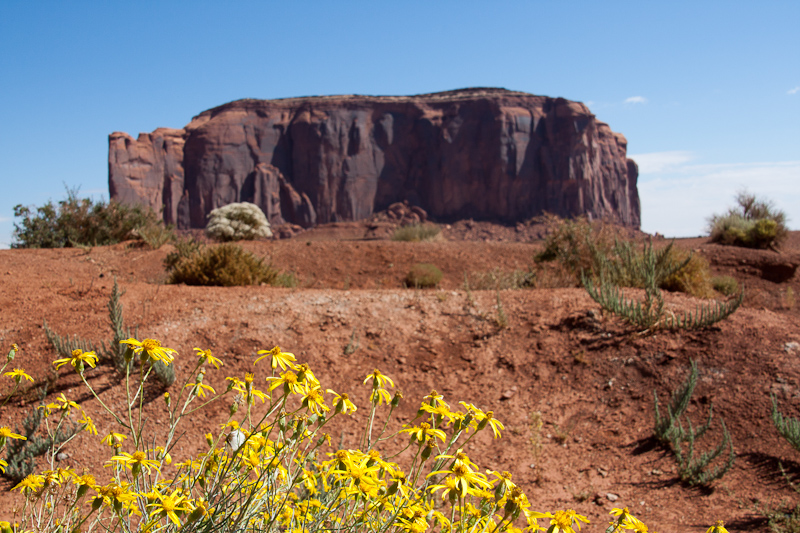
column 396, row 399
column 210, row 439
column 12, row 352
column 81, row 491
column 167, row 399
column 234, row 408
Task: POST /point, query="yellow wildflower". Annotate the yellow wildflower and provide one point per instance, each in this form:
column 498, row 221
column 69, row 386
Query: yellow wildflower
column 88, row 425
column 206, row 357
column 718, row 527
column 423, row 431
column 6, row 433
column 465, row 479
column 170, row 505
column 63, row 404
column 289, row 380
column 378, row 380
column 284, row 359
column 152, row 348
column 347, row 406
column 31, row 483
column 634, row 524
column 136, row 461
column 201, row 388
column 114, row 439
column 18, row 375
column 314, row 400
column 79, row 357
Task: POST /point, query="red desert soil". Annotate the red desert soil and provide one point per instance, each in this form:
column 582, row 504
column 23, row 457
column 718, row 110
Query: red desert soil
column 588, row 375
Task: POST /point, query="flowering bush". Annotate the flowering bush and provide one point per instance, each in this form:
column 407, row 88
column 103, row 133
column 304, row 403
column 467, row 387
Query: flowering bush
column 238, row 221
column 268, row 468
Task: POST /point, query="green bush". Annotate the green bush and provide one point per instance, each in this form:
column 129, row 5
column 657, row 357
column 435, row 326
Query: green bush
column 417, row 233
column 226, row 265
column 238, row 222
column 693, row 279
column 423, row 275
column 753, row 223
column 726, row 285
column 82, row 222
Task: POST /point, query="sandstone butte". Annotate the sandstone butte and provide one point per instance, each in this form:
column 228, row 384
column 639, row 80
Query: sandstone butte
column 480, row 153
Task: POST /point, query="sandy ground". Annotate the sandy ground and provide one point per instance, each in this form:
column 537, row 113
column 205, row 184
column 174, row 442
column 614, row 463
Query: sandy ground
column 589, row 376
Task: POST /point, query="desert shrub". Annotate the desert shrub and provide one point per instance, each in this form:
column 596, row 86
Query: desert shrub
column 417, row 233
column 753, row 223
column 694, row 278
column 726, row 285
column 237, row 222
column 154, row 236
column 225, row 265
column 81, row 222
column 652, row 268
column 423, row 275
column 579, row 246
column 574, row 243
column 669, row 430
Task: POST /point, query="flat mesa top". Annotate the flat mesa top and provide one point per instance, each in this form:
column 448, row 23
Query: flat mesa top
column 471, row 93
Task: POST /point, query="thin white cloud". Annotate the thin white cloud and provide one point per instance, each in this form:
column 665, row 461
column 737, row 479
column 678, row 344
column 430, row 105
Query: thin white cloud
column 636, row 100
column 655, row 162
column 678, row 202
column 794, row 91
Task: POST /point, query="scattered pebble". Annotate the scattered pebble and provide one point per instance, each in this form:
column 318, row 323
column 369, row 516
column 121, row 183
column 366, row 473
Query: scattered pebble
column 790, row 347
column 62, row 456
column 612, row 497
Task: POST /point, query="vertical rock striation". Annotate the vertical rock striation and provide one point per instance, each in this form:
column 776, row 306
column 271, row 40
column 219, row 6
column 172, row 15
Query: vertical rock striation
column 486, row 154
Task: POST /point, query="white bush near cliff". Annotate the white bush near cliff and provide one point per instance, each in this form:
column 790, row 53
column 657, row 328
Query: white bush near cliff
column 237, row 222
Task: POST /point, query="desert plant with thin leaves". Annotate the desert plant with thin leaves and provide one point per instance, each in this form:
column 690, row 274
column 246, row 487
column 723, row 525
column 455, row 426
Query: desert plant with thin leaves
column 693, row 468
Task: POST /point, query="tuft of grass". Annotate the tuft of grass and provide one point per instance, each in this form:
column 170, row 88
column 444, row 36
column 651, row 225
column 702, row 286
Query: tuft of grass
column 81, row 222
column 752, row 223
column 417, row 233
column 501, row 320
column 225, row 265
column 726, row 285
column 423, row 276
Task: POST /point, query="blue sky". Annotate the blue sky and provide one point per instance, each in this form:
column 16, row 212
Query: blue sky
column 707, row 93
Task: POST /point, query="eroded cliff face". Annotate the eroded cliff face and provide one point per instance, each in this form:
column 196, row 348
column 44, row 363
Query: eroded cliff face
column 475, row 153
